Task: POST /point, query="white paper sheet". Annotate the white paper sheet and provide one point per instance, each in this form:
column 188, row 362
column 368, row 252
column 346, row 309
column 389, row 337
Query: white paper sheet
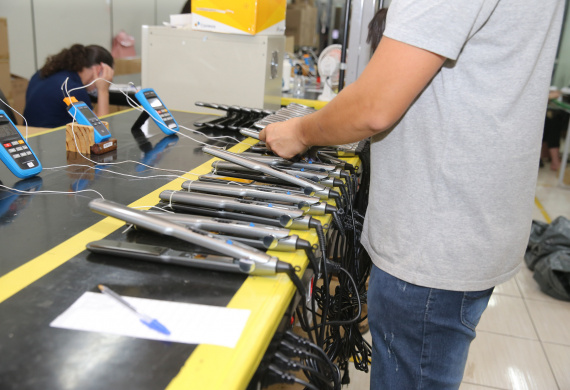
column 187, row 323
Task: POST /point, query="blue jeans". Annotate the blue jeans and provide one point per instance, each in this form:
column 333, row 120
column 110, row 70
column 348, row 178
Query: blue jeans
column 420, row 335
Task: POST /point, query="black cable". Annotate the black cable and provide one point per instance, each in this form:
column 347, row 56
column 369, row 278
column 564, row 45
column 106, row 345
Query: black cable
column 305, row 342
column 337, row 198
column 357, row 317
column 338, row 223
column 298, row 351
column 312, row 258
column 294, row 365
column 287, row 268
column 284, row 377
column 321, row 236
column 291, row 272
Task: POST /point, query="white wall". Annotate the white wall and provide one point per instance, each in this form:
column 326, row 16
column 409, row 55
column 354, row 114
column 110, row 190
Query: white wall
column 20, row 36
column 61, row 23
column 39, row 28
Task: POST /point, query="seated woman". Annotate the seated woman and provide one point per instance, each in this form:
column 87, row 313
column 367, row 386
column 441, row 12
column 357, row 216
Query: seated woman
column 80, row 65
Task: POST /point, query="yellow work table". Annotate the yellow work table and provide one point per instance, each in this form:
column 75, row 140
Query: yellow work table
column 44, row 268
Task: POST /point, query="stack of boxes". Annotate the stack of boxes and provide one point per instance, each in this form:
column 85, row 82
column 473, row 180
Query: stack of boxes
column 302, row 23
column 13, row 87
column 5, row 83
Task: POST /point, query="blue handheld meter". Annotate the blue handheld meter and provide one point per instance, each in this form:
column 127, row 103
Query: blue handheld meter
column 15, row 152
column 84, row 116
column 148, row 98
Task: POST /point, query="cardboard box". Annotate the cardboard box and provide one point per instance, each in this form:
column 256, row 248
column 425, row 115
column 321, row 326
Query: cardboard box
column 19, row 86
column 127, row 65
column 4, row 48
column 290, row 44
column 301, row 23
column 5, row 81
column 249, row 17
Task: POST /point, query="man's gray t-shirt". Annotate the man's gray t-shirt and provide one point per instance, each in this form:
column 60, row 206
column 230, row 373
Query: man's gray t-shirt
column 453, row 182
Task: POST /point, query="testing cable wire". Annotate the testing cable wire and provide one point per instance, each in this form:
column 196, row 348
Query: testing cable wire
column 64, row 88
column 282, row 356
column 286, row 267
column 344, row 307
column 319, row 329
column 290, row 352
column 290, row 271
column 136, row 106
column 39, row 191
column 307, row 344
column 341, row 305
column 348, row 257
column 132, row 103
column 339, row 310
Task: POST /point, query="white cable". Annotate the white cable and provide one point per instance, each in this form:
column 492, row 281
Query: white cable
column 138, row 107
column 50, row 192
column 209, row 137
column 155, row 207
column 120, row 162
column 123, row 174
column 134, row 105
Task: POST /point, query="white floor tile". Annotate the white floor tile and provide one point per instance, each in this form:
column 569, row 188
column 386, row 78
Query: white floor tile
column 508, row 288
column 508, row 316
column 469, row 386
column 552, row 320
column 546, row 177
column 559, row 358
column 506, row 362
column 359, row 380
column 529, row 287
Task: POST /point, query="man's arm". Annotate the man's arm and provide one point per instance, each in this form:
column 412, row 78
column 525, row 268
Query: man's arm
column 394, row 77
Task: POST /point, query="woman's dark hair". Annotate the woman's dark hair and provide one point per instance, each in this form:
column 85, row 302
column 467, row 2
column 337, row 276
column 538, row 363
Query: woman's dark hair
column 376, row 28
column 75, row 59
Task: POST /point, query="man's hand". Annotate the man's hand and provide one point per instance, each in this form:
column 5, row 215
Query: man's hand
column 285, row 138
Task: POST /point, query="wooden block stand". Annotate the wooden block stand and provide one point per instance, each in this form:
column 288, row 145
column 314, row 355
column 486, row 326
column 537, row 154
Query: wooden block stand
column 84, row 140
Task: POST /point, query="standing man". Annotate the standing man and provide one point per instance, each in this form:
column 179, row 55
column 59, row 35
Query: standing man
column 454, row 99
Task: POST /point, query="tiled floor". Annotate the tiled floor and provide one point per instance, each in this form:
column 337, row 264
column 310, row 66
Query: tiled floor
column 523, row 339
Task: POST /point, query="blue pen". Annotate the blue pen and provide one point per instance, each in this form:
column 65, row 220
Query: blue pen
column 148, row 321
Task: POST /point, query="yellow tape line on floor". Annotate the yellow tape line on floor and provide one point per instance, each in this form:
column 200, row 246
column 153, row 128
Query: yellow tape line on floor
column 542, row 210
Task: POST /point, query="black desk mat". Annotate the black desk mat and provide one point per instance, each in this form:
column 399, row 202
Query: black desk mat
column 34, row 355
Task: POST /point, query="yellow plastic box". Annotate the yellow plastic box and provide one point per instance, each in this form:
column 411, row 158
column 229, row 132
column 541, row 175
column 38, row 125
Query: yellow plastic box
column 249, row 17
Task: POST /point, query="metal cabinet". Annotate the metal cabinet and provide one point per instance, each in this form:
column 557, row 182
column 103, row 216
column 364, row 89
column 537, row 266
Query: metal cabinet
column 185, row 66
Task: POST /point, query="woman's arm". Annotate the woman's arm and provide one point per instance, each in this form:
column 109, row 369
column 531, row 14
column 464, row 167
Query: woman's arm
column 106, row 75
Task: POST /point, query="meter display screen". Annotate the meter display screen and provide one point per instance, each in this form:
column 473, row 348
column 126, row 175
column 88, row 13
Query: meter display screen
column 87, row 112
column 7, row 129
column 154, row 103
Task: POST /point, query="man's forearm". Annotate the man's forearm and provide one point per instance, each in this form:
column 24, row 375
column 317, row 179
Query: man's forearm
column 395, row 76
column 343, row 120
